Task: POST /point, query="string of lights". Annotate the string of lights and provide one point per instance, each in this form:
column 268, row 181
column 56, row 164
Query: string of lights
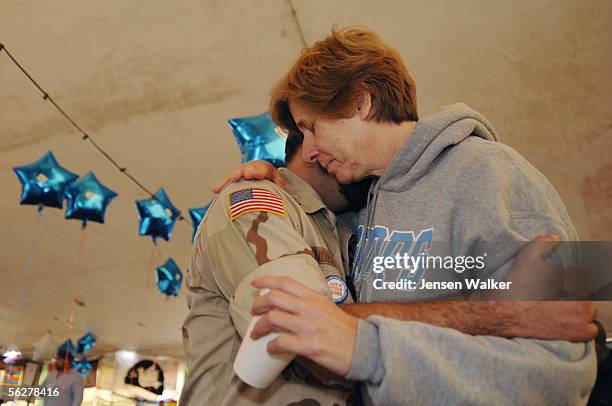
column 84, row 135
column 297, row 23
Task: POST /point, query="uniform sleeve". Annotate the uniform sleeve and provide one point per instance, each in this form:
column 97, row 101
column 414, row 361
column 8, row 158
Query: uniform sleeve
column 227, row 254
column 256, row 244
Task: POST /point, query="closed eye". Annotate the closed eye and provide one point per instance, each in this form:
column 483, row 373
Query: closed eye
column 302, row 126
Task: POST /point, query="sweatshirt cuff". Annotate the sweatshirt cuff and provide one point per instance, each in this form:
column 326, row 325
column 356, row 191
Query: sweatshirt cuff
column 366, row 364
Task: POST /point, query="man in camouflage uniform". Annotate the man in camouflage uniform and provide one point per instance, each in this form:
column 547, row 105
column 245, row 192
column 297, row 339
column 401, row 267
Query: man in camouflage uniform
column 252, row 229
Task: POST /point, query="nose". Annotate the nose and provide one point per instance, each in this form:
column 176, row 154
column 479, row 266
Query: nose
column 310, row 152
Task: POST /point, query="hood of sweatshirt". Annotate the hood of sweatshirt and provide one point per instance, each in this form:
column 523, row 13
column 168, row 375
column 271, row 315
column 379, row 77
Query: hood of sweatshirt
column 429, row 139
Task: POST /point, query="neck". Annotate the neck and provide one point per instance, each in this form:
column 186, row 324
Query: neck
column 394, row 136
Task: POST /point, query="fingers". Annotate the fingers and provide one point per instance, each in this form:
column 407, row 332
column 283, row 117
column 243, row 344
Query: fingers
column 263, row 170
column 252, row 170
column 533, row 277
column 275, row 321
column 576, row 283
column 546, row 237
column 286, row 344
column 565, row 320
column 588, row 333
column 278, row 179
column 283, row 283
column 542, row 246
column 219, row 186
column 583, row 313
column 235, row 176
column 276, row 299
column 591, row 329
column 591, row 332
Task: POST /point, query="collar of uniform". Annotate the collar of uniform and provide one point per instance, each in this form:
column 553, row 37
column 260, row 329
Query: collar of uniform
column 305, row 195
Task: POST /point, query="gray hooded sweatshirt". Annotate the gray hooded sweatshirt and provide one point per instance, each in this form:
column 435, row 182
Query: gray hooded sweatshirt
column 450, row 189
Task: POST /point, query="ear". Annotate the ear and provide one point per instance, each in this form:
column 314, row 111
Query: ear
column 365, row 105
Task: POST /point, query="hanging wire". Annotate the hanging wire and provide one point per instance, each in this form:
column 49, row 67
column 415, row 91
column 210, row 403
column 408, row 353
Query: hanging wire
column 84, row 136
column 297, row 23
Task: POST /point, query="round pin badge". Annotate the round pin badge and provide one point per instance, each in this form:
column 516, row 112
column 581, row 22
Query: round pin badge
column 338, row 288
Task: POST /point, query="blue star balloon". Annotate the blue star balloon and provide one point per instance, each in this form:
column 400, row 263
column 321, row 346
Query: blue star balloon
column 85, row 343
column 87, row 199
column 157, row 216
column 44, row 182
column 82, row 366
column 259, row 138
column 169, row 278
column 67, row 345
column 197, row 214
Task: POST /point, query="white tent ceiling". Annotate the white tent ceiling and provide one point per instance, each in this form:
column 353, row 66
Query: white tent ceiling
column 154, row 82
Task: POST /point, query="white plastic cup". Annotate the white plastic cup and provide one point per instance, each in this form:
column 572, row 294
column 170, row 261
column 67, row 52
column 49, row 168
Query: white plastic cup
column 254, row 365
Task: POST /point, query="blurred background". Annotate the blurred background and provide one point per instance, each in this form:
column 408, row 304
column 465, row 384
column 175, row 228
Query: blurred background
column 155, row 82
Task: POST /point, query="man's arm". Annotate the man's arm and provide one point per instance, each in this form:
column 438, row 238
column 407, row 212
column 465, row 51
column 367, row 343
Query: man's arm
column 563, row 321
column 571, row 321
column 402, row 362
column 543, row 319
column 228, row 252
column 258, row 169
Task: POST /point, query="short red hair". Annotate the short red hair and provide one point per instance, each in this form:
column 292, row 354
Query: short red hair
column 329, row 77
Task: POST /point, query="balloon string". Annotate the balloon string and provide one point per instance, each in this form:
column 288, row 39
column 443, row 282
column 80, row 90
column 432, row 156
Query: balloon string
column 75, row 288
column 66, row 359
column 155, row 255
column 26, row 279
column 150, row 269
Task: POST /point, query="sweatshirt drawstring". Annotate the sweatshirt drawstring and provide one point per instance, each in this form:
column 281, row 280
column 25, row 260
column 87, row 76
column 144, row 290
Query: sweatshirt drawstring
column 370, row 210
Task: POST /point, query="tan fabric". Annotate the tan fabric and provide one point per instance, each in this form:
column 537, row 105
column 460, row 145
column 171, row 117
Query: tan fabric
column 301, row 267
column 226, row 256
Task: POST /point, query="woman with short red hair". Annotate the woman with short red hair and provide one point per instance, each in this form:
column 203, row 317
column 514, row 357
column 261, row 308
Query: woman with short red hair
column 444, row 186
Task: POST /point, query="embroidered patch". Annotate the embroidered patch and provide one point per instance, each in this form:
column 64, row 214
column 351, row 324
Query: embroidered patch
column 254, row 199
column 338, row 288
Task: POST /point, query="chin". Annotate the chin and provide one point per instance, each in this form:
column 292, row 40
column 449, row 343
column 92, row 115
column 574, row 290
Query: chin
column 344, row 178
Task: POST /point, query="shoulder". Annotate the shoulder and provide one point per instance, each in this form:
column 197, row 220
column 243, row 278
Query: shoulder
column 495, row 172
column 252, row 184
column 240, row 201
column 482, row 152
column 482, row 158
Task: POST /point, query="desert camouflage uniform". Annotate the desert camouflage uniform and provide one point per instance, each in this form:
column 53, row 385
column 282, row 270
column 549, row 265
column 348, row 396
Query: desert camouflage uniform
column 301, row 242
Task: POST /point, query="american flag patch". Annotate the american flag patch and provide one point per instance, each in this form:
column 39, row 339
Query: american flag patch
column 254, row 199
